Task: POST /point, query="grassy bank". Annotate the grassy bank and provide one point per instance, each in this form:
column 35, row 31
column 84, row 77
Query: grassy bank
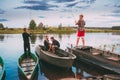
column 53, row 30
column 38, row 31
column 102, row 30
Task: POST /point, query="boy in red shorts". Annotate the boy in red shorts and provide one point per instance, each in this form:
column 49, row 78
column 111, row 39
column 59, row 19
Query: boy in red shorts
column 81, row 30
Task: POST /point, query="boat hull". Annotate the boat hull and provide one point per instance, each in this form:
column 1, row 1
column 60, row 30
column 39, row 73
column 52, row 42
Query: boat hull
column 55, row 60
column 2, row 74
column 96, row 60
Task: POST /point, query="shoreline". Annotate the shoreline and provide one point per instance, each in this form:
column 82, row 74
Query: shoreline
column 56, row 31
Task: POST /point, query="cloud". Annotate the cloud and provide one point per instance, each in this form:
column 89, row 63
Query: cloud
column 83, row 7
column 3, row 20
column 81, row 4
column 113, row 15
column 37, row 5
column 46, row 5
column 62, row 1
column 2, row 11
column 116, row 11
column 32, row 2
column 41, row 16
column 34, row 7
column 72, row 4
column 69, row 17
column 117, row 5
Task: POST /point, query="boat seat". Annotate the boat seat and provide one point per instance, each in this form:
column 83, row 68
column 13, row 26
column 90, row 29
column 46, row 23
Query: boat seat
column 27, row 65
column 96, row 53
column 28, row 60
column 28, row 68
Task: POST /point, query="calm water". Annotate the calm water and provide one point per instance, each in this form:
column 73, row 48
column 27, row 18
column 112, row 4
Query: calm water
column 11, row 48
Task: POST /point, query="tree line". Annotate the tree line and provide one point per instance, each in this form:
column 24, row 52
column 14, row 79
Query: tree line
column 32, row 25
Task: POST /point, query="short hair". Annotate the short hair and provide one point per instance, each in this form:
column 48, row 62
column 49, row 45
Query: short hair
column 81, row 15
column 24, row 29
column 46, row 36
column 52, row 38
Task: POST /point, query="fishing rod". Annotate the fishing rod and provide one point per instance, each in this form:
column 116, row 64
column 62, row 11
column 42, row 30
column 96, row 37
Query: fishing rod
column 73, row 15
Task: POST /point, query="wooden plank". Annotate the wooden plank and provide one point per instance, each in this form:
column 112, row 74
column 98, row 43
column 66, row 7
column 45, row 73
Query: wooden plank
column 28, row 68
column 27, row 60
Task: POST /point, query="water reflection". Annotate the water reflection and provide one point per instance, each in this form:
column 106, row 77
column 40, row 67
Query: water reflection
column 41, row 37
column 11, row 54
column 60, row 36
column 86, row 70
column 33, row 38
column 116, row 33
column 2, row 37
column 54, row 73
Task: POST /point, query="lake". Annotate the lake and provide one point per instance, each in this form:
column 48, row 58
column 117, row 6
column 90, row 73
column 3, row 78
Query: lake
column 11, row 48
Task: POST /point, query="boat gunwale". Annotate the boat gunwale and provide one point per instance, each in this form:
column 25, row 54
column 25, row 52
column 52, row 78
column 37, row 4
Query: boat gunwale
column 3, row 68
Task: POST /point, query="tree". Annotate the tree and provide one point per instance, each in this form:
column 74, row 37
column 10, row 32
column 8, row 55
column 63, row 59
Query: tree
column 40, row 26
column 32, row 25
column 1, row 26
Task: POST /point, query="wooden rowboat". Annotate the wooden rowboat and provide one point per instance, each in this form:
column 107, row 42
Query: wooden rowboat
column 60, row 58
column 28, row 66
column 2, row 69
column 104, row 59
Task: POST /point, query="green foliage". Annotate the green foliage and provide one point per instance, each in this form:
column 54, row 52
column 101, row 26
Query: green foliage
column 32, row 25
column 1, row 26
column 40, row 26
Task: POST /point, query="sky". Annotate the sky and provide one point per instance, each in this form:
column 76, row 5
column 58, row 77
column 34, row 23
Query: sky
column 97, row 13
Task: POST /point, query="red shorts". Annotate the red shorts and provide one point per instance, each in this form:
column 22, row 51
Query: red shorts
column 81, row 33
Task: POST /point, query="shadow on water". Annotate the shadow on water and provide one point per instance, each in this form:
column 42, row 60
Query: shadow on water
column 90, row 69
column 55, row 73
column 1, row 37
column 33, row 38
column 87, row 68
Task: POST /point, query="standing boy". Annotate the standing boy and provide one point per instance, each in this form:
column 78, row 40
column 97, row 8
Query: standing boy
column 81, row 30
column 26, row 36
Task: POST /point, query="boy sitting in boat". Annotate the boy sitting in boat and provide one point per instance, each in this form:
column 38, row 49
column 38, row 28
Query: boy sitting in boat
column 46, row 43
column 55, row 44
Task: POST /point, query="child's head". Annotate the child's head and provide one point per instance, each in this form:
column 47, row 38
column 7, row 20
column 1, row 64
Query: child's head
column 52, row 38
column 24, row 29
column 81, row 16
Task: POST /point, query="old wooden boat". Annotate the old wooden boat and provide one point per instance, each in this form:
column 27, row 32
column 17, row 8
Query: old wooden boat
column 2, row 69
column 104, row 59
column 61, row 58
column 28, row 66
